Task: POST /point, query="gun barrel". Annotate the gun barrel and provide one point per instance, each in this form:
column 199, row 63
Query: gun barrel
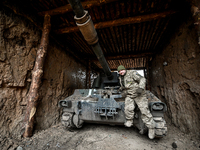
column 86, row 26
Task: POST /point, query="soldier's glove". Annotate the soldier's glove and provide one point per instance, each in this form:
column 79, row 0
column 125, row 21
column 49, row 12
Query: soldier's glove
column 139, row 91
column 124, row 93
column 120, row 89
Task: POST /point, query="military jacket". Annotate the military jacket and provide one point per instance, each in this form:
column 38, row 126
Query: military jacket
column 133, row 80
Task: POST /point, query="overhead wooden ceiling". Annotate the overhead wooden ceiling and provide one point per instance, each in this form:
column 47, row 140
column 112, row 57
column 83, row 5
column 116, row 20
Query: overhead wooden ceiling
column 129, row 32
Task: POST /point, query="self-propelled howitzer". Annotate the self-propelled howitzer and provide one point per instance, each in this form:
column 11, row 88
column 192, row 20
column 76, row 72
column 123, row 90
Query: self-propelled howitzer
column 104, row 103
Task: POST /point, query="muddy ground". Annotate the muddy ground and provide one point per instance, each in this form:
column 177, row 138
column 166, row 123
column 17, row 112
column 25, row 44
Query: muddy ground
column 100, row 137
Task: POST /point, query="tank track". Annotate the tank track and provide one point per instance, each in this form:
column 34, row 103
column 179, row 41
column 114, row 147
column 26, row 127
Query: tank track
column 160, row 128
column 66, row 120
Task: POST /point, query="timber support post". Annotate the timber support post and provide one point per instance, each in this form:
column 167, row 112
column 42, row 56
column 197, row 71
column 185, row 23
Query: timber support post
column 89, row 74
column 32, row 97
column 147, row 73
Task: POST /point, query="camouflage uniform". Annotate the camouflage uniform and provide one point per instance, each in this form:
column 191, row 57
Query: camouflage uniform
column 131, row 82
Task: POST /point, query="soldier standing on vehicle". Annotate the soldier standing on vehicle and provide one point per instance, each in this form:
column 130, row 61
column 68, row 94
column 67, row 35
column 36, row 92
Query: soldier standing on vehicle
column 134, row 84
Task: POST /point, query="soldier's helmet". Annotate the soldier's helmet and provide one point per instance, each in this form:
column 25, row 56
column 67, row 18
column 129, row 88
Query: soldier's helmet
column 121, row 68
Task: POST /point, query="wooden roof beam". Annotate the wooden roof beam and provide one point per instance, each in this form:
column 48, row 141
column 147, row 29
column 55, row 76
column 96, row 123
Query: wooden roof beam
column 135, row 68
column 68, row 8
column 119, row 57
column 119, row 22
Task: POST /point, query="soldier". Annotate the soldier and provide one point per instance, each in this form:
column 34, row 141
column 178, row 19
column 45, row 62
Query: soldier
column 134, row 84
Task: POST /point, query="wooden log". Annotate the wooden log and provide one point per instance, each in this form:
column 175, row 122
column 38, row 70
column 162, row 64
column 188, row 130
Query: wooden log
column 89, row 74
column 32, row 97
column 68, row 8
column 148, row 78
column 119, row 22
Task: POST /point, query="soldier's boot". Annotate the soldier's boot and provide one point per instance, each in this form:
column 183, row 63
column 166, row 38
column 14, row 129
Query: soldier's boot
column 142, row 131
column 128, row 123
column 151, row 133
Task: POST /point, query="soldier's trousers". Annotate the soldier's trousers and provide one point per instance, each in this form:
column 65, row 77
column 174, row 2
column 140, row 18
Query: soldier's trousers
column 142, row 103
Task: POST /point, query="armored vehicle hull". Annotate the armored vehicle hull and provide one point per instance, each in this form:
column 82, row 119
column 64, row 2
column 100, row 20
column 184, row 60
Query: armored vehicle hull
column 107, row 107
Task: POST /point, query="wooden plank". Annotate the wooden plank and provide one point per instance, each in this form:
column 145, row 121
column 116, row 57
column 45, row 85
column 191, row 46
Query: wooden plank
column 68, row 8
column 132, row 68
column 119, row 22
column 124, row 56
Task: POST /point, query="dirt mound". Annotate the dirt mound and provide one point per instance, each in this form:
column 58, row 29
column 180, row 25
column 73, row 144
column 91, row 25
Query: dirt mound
column 93, row 136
